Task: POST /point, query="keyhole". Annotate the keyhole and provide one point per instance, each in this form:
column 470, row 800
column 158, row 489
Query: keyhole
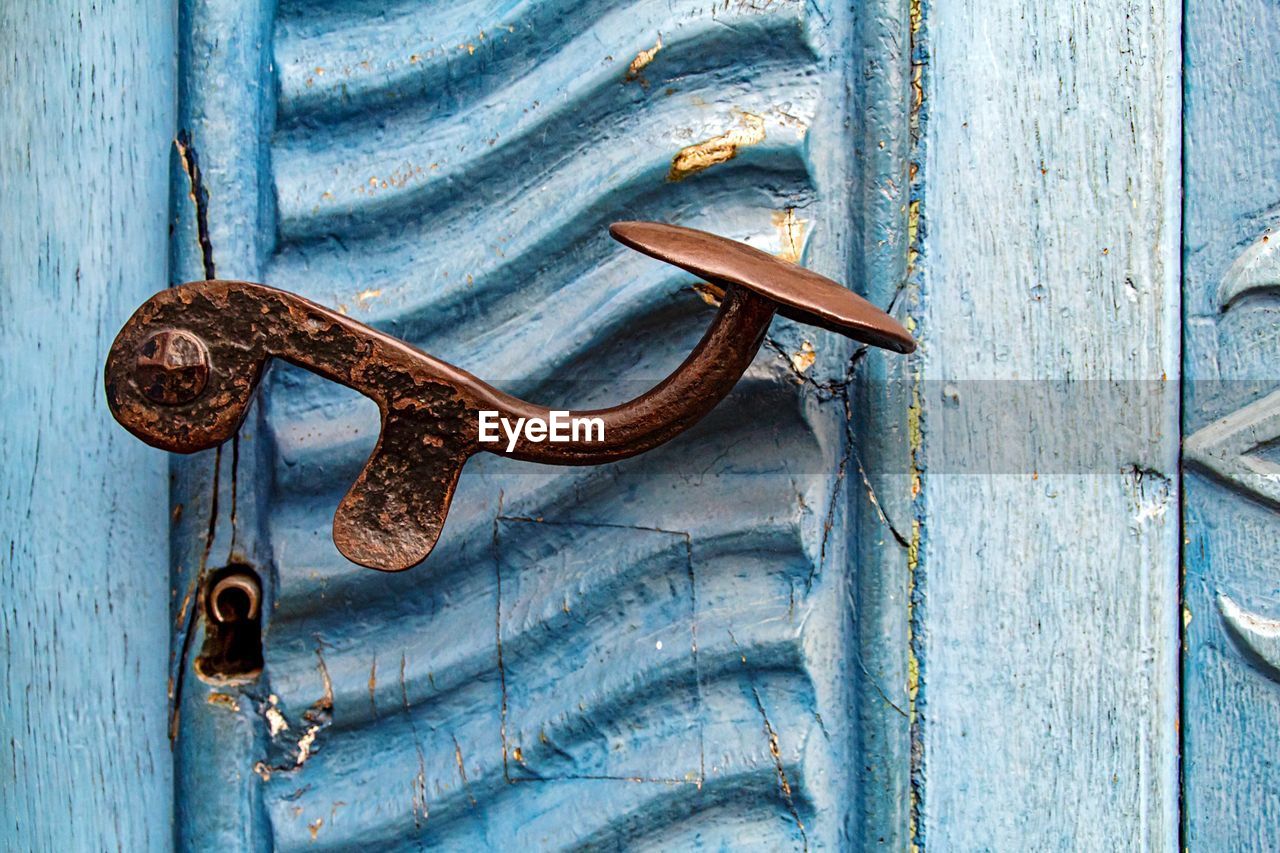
column 234, row 603
column 232, row 650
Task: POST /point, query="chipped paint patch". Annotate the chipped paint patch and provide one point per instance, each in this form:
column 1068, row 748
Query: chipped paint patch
column 643, row 58
column 363, row 297
column 718, row 149
column 709, row 293
column 306, row 742
column 1151, row 494
column 223, row 700
column 276, row 723
column 803, row 358
column 791, row 234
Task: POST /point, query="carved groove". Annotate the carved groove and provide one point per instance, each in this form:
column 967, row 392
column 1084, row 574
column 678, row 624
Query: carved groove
column 503, row 164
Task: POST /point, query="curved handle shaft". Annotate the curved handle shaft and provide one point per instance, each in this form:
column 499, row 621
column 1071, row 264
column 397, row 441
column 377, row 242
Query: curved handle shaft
column 182, row 371
column 392, row 516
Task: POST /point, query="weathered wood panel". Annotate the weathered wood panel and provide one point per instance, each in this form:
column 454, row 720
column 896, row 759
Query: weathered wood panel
column 86, row 92
column 1046, row 594
column 1232, row 422
column 671, row 650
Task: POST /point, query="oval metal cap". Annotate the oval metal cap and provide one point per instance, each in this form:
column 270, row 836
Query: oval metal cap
column 802, row 295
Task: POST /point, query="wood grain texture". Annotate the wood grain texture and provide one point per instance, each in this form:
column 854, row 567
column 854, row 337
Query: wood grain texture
column 1046, row 596
column 222, row 224
column 669, row 651
column 1231, row 281
column 86, row 92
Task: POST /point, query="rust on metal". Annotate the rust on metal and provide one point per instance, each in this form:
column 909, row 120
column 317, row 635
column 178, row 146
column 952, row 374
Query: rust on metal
column 184, row 398
column 235, row 597
column 172, row 367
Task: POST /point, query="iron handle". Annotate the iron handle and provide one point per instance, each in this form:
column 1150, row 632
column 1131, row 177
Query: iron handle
column 181, row 373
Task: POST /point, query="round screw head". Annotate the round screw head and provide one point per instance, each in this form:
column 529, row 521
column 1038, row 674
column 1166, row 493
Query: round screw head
column 173, row 367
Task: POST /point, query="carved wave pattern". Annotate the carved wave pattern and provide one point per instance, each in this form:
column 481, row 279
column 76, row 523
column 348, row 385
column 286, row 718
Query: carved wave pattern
column 637, row 652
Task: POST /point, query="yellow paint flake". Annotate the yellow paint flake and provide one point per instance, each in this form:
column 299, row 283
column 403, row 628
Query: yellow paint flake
column 913, row 232
column 791, row 233
column 222, row 700
column 803, row 359
column 642, row 59
column 710, row 294
column 718, row 149
column 364, row 296
column 314, row 827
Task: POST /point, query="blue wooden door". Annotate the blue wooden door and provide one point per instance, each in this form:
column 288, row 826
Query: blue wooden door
column 1231, row 419
column 669, row 652
column 1015, row 592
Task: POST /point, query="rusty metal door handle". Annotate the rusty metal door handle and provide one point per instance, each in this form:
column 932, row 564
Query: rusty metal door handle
column 181, row 373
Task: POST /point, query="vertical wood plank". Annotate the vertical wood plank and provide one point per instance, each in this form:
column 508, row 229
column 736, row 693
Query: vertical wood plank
column 1046, row 628
column 86, row 92
column 221, row 224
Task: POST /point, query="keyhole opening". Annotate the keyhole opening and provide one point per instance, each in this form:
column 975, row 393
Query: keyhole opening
column 234, row 603
column 232, row 650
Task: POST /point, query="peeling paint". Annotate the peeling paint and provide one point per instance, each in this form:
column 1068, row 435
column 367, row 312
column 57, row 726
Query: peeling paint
column 306, row 743
column 709, row 293
column 804, row 358
column 223, row 700
column 791, row 234
column 643, row 58
column 276, row 723
column 718, row 149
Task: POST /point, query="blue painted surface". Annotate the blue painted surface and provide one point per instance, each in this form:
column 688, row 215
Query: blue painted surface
column 87, row 98
column 222, row 226
column 662, row 652
column 1045, row 624
column 512, row 691
column 1231, row 420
